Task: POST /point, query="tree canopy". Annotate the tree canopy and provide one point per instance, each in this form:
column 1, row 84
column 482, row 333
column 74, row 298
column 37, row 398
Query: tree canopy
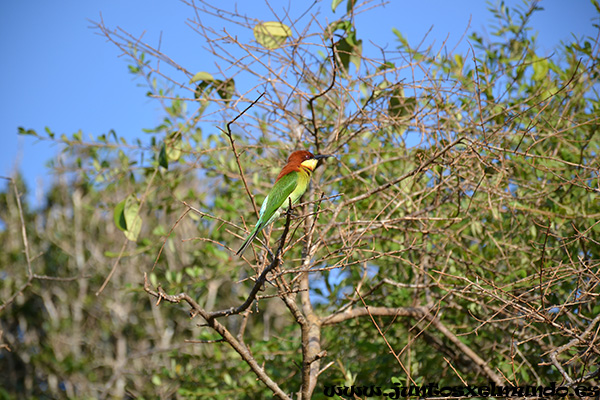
column 454, row 239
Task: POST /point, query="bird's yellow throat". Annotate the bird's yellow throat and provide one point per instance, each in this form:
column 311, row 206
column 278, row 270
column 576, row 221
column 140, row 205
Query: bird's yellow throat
column 311, row 164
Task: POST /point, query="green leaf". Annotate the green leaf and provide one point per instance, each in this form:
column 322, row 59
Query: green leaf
column 344, row 50
column 153, row 279
column 386, row 65
column 192, row 272
column 159, row 230
column 202, row 76
column 460, row 62
column 334, row 4
column 400, row 37
column 271, row 34
column 399, row 106
column 226, row 89
column 356, row 56
column 350, row 5
column 119, row 216
column 49, row 132
column 345, row 26
column 174, row 150
column 203, row 89
column 540, row 69
column 163, row 160
column 127, row 219
column 23, row 131
column 132, row 218
column 208, row 83
column 348, row 49
column 131, row 209
column 133, row 233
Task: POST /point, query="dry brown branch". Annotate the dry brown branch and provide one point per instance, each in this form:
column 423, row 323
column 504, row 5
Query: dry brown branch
column 482, row 364
column 260, row 281
column 578, row 340
column 212, row 322
column 391, row 349
column 236, row 154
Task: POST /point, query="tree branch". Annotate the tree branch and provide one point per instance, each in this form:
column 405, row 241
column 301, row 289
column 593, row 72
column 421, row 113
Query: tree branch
column 212, row 322
column 417, row 313
column 235, row 153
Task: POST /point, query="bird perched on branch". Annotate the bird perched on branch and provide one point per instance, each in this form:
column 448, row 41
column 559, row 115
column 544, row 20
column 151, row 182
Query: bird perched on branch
column 291, row 183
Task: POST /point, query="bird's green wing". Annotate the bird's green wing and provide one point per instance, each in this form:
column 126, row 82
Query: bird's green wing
column 278, row 198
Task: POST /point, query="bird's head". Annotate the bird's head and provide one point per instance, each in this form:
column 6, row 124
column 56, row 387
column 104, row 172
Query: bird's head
column 306, row 159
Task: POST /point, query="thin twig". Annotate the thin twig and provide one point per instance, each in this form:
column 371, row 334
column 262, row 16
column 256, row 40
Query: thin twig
column 30, row 274
column 235, row 153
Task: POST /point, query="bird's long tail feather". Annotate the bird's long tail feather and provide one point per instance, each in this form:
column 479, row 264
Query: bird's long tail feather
column 249, row 240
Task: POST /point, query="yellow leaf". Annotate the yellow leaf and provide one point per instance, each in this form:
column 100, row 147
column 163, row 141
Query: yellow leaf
column 202, row 76
column 271, row 34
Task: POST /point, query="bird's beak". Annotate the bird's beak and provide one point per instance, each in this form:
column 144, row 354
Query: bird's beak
column 320, row 157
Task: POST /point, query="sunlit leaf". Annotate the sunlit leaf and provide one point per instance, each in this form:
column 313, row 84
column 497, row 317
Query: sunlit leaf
column 132, row 218
column 271, row 34
column 540, row 70
column 401, row 38
column 174, row 149
column 345, row 26
column 202, row 76
column 136, row 227
column 356, row 55
column 334, row 4
column 126, row 217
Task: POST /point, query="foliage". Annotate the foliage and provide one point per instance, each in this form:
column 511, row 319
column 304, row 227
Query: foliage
column 454, row 238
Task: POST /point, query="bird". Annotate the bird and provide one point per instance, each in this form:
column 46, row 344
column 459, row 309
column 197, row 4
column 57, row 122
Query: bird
column 291, row 183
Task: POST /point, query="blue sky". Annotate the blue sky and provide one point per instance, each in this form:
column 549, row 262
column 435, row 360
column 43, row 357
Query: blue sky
column 58, row 72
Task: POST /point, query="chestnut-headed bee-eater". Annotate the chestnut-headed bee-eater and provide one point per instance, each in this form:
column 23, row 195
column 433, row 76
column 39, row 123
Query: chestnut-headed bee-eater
column 291, row 183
